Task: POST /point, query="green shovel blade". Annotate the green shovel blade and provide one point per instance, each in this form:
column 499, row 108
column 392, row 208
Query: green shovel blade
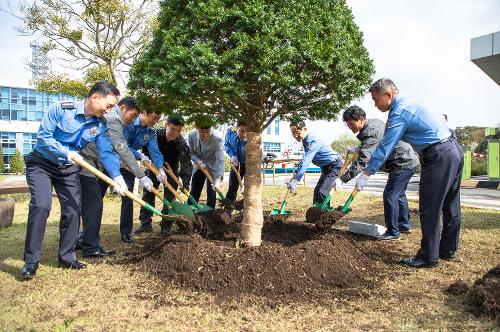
column 325, row 205
column 345, row 208
column 183, row 209
column 152, row 209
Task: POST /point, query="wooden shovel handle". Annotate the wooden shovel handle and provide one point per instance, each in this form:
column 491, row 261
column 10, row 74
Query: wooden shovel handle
column 167, row 185
column 237, row 172
column 107, row 179
column 171, row 173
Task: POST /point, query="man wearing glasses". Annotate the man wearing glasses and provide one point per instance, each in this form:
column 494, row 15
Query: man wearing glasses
column 401, row 165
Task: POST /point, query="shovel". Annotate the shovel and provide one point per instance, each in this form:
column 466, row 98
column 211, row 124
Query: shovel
column 112, row 183
column 328, row 219
column 238, row 205
column 315, row 212
column 281, row 214
column 197, row 207
column 223, row 199
column 177, row 205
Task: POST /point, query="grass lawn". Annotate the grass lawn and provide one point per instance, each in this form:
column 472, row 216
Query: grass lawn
column 109, row 295
column 3, row 177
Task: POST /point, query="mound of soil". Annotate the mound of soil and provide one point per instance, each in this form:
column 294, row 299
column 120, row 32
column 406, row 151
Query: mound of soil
column 484, row 296
column 322, row 218
column 457, row 288
column 295, row 260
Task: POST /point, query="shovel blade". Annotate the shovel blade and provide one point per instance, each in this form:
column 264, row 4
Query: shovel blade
column 183, row 209
column 278, row 211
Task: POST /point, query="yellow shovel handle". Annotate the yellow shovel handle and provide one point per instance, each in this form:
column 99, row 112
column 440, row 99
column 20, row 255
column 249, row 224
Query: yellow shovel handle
column 107, row 179
column 171, row 173
column 155, row 171
column 209, row 177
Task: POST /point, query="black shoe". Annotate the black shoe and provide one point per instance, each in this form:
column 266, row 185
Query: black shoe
column 29, row 270
column 74, row 265
column 418, row 263
column 387, row 237
column 101, row 252
column 127, row 238
column 406, row 231
column 144, row 228
column 448, row 255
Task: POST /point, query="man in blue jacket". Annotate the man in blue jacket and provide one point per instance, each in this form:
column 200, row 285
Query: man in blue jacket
column 235, row 144
column 64, row 131
column 442, row 161
column 320, row 154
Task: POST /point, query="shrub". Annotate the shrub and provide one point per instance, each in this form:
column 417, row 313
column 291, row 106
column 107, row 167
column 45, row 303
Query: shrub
column 17, row 163
column 479, row 166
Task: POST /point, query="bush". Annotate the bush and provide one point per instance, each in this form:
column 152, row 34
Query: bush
column 227, row 166
column 479, row 166
column 344, row 142
column 17, row 163
column 2, row 164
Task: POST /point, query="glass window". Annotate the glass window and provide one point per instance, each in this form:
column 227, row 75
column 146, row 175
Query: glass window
column 272, row 147
column 276, row 127
column 268, row 130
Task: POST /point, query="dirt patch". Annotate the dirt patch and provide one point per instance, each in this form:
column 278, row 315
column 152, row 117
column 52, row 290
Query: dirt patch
column 238, row 205
column 484, row 296
column 457, row 288
column 295, row 260
column 322, row 218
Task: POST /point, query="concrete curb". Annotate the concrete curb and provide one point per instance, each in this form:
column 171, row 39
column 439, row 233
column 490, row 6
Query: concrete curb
column 487, row 184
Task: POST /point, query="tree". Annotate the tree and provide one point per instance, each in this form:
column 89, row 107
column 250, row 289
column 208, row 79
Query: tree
column 253, row 60
column 344, row 142
column 90, row 33
column 17, row 163
column 2, row 163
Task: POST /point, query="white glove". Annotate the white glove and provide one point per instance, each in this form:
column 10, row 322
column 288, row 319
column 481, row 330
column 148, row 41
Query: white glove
column 338, row 183
column 353, row 150
column 122, row 186
column 201, row 164
column 217, row 184
column 162, row 176
column 144, row 157
column 72, row 156
column 234, row 161
column 146, row 183
column 292, row 185
column 362, row 181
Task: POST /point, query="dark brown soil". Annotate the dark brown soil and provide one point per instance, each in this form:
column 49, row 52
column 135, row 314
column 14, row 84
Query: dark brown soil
column 279, row 218
column 484, row 296
column 295, row 260
column 238, row 205
column 457, row 288
column 322, row 218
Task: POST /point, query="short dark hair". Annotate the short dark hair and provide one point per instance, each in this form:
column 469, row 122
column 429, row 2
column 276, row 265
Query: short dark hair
column 353, row 113
column 241, row 123
column 176, row 120
column 129, row 102
column 299, row 124
column 103, row 88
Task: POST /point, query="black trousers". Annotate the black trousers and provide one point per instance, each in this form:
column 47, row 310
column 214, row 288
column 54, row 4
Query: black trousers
column 325, row 183
column 197, row 183
column 145, row 216
column 41, row 175
column 232, row 192
column 439, row 191
column 93, row 191
column 127, row 208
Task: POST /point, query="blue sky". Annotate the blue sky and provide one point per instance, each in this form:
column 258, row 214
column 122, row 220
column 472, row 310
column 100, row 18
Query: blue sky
column 422, row 45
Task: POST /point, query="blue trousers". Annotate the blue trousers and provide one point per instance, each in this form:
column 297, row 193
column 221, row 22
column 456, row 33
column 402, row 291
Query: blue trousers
column 396, row 210
column 325, row 183
column 440, row 192
column 41, row 175
column 232, row 192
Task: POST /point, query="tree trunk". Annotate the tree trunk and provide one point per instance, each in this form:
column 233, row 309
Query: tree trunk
column 253, row 220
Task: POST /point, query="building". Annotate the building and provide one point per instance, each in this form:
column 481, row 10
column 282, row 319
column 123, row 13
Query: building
column 21, row 110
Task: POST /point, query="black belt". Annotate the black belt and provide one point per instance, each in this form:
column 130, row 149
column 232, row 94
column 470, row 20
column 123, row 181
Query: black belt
column 433, row 145
column 58, row 166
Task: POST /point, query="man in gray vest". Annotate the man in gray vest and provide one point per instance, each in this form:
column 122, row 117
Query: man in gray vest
column 93, row 190
column 401, row 165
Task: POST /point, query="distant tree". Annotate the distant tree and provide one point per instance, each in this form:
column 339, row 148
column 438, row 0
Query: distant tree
column 89, row 33
column 2, row 163
column 344, row 142
column 17, row 163
column 470, row 135
column 257, row 61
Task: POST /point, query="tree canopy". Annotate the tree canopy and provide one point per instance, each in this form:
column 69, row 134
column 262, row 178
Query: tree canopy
column 253, row 59
column 87, row 34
